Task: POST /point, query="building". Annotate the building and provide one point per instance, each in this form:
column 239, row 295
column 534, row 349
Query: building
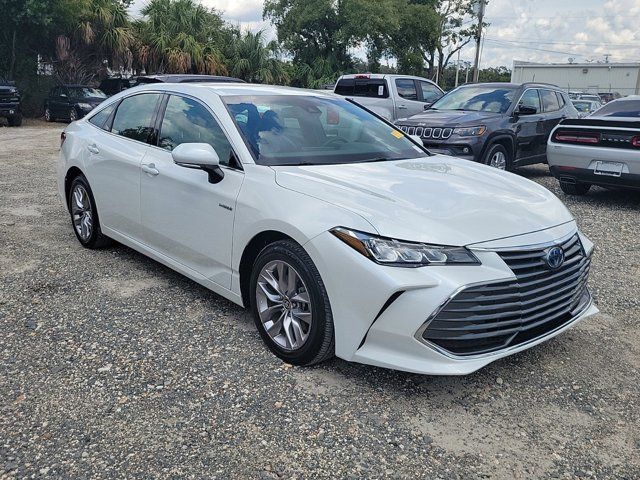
column 623, row 78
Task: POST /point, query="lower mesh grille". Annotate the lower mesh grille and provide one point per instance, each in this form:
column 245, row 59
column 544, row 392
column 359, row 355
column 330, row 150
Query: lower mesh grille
column 486, row 318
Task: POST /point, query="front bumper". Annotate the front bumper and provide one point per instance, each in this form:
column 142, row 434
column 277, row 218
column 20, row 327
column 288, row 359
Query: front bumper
column 8, row 110
column 379, row 312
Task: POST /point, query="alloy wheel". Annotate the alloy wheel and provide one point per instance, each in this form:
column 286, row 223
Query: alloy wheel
column 73, row 116
column 284, row 305
column 499, row 161
column 81, row 212
column 47, row 115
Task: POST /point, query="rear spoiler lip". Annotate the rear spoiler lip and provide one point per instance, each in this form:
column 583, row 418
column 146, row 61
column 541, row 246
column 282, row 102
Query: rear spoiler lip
column 614, row 123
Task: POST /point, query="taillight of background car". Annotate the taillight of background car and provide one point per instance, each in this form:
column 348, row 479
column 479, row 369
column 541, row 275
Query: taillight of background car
column 576, row 137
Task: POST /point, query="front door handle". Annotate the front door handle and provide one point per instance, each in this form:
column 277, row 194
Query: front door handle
column 402, row 107
column 93, row 149
column 150, row 169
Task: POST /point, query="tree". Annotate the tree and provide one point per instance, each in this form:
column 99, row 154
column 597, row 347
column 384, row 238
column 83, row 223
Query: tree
column 181, row 36
column 311, row 30
column 254, row 60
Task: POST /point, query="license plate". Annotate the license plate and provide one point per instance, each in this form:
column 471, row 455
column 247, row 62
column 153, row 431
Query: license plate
column 612, row 169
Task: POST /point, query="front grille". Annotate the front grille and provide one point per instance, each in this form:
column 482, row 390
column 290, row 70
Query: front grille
column 427, row 132
column 485, row 318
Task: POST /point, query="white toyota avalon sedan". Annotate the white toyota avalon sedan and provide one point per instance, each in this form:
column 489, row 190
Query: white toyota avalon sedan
column 343, row 235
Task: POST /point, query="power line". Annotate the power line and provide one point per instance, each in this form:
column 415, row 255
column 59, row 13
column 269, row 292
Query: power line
column 596, row 44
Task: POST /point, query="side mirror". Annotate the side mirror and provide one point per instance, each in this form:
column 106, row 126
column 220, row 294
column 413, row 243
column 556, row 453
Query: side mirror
column 427, row 106
column 525, row 110
column 201, row 156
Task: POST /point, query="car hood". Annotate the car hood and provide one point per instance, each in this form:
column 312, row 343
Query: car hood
column 452, row 118
column 439, row 199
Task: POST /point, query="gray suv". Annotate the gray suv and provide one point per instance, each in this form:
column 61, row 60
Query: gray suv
column 504, row 125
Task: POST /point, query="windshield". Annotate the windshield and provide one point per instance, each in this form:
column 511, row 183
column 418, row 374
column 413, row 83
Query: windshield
column 477, row 99
column 582, row 106
column 86, row 92
column 309, row 130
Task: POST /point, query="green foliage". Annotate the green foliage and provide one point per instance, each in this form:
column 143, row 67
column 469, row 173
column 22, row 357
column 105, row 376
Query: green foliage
column 83, row 40
column 181, row 36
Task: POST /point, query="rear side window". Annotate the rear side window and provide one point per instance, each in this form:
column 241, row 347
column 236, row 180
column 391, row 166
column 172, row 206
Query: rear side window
column 100, row 118
column 363, row 87
column 134, row 117
column 430, row 93
column 407, row 88
column 188, row 121
column 549, row 101
column 531, row 99
column 561, row 101
column 621, row 108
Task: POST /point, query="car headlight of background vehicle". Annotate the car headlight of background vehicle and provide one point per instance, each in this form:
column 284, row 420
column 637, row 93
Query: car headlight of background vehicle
column 85, row 106
column 470, row 131
column 388, row 251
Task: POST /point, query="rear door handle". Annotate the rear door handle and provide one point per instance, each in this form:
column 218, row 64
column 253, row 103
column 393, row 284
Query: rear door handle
column 150, row 169
column 402, row 107
column 93, row 149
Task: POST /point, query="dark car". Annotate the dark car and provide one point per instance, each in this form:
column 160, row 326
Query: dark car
column 71, row 102
column 10, row 107
column 504, row 125
column 184, row 78
column 111, row 86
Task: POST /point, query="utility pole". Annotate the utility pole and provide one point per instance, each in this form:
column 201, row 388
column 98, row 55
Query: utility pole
column 480, row 5
column 458, row 68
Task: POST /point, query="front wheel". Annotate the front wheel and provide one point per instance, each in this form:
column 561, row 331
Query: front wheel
column 497, row 156
column 15, row 121
column 48, row 117
column 290, row 305
column 73, row 115
column 84, row 215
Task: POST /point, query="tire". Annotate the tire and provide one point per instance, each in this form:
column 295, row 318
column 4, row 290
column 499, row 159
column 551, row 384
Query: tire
column 73, row 115
column 574, row 188
column 15, row 121
column 81, row 201
column 48, row 116
column 497, row 156
column 319, row 344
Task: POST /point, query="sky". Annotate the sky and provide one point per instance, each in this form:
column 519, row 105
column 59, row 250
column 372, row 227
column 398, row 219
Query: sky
column 530, row 30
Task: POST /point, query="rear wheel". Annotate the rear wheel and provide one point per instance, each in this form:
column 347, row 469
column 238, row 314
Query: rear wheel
column 84, row 215
column 73, row 115
column 574, row 188
column 497, row 156
column 290, row 305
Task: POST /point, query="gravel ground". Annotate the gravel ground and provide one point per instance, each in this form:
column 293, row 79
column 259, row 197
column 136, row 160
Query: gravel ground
column 114, row 366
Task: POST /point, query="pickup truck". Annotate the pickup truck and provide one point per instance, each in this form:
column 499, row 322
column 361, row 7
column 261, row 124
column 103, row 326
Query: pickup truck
column 10, row 103
column 390, row 96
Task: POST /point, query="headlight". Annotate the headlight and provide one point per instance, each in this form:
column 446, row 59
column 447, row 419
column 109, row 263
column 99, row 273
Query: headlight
column 470, row 131
column 387, row 251
column 85, row 106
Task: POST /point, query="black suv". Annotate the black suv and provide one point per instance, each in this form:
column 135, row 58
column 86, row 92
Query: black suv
column 111, row 86
column 71, row 102
column 504, row 125
column 10, row 103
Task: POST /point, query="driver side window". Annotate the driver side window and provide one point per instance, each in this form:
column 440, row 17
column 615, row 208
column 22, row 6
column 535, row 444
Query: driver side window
column 531, row 99
column 188, row 121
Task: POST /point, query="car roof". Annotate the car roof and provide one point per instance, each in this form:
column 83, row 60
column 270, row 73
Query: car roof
column 182, row 78
column 379, row 76
column 230, row 89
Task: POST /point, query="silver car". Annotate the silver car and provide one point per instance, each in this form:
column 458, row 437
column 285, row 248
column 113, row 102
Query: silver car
column 603, row 149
